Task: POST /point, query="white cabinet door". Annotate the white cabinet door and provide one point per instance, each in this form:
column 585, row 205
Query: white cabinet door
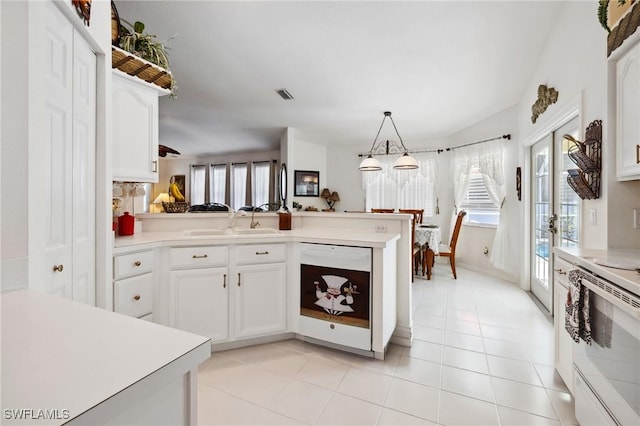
column 627, row 113
column 260, row 299
column 61, row 159
column 199, row 302
column 135, row 131
column 563, row 342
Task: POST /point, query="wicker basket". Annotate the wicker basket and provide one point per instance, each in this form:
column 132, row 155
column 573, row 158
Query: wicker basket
column 578, row 182
column 138, row 67
column 177, row 207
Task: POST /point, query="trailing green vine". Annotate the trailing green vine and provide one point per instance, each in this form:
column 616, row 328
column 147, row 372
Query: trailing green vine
column 603, row 14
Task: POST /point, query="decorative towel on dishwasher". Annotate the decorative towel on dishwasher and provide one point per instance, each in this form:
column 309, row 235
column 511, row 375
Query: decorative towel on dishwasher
column 577, row 320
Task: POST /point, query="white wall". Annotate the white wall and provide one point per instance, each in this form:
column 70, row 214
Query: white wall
column 305, row 155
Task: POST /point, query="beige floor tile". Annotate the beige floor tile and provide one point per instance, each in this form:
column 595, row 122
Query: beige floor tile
column 463, row 341
column 323, row 372
column 464, row 359
column 550, row 378
column 396, row 418
column 499, row 333
column 428, row 334
column 466, row 327
column 524, row 397
column 468, row 383
column 219, row 408
column 510, row 416
column 413, row 399
column 505, row 349
column 345, row 410
column 461, row 410
column 388, row 366
column 366, row 385
column 512, row 369
column 419, row 371
column 301, row 401
column 424, row 350
column 564, row 405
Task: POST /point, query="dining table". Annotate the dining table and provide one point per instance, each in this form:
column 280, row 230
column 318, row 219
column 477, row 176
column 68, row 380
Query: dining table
column 428, row 237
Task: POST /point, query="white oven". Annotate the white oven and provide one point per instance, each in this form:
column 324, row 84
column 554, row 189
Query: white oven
column 607, row 380
column 335, row 295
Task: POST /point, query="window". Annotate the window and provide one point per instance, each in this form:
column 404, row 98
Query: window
column 477, row 203
column 260, row 180
column 217, row 183
column 238, row 185
column 198, row 184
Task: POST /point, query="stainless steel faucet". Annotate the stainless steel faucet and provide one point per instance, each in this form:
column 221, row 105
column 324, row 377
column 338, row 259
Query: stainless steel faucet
column 255, row 224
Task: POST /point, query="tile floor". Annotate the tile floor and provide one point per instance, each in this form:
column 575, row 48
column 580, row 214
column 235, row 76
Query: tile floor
column 482, row 355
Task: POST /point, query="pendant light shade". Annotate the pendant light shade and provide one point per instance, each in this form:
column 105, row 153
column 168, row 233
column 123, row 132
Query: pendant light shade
column 405, row 162
column 370, row 164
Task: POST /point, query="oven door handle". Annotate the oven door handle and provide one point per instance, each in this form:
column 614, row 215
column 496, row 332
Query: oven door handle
column 619, row 303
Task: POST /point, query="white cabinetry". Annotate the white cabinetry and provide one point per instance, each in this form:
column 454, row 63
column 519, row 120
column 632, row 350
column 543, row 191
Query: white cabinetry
column 260, row 293
column 62, row 144
column 228, row 293
column 627, row 113
column 133, row 284
column 135, row 129
column 563, row 342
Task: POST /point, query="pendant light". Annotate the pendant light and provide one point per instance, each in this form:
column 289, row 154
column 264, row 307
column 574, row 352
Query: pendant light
column 405, row 162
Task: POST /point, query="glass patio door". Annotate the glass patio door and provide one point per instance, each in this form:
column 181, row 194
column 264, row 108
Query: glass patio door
column 555, row 208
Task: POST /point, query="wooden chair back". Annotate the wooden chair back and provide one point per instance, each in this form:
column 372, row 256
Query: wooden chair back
column 417, row 214
column 456, row 230
column 382, row 210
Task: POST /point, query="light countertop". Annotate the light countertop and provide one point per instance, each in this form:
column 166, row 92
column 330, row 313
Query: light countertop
column 62, row 355
column 145, row 240
column 629, row 280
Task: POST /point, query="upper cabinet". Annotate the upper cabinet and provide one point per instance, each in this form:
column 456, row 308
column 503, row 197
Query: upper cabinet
column 135, row 129
column 627, row 113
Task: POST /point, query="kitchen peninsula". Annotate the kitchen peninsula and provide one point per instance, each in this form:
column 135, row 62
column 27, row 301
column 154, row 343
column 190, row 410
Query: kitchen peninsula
column 66, row 362
column 258, row 272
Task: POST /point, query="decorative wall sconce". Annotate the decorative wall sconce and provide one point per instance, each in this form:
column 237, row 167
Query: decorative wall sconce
column 405, row 162
column 330, row 197
column 546, row 97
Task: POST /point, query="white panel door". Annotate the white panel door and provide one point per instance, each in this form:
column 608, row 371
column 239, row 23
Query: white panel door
column 84, row 148
column 199, row 302
column 260, row 299
column 50, row 156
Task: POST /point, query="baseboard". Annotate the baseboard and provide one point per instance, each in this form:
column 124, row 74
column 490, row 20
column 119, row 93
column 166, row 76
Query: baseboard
column 492, row 273
column 402, row 336
column 236, row 344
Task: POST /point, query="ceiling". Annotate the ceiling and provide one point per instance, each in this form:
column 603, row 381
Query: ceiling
column 438, row 66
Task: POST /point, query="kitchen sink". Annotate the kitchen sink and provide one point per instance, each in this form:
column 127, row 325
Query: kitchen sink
column 204, row 232
column 250, row 231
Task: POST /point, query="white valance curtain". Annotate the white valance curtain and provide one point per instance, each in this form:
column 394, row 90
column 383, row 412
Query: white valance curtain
column 489, row 159
column 398, row 189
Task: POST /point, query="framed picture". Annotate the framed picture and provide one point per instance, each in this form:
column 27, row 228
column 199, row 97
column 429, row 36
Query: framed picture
column 307, row 183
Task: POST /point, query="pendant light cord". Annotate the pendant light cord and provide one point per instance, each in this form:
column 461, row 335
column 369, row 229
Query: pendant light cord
column 437, row 150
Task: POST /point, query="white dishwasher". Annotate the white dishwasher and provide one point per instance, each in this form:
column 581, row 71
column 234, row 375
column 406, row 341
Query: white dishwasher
column 335, row 294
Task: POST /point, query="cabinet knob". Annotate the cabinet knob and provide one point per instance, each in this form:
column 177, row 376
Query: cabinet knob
column 560, row 271
column 332, row 326
column 137, row 263
column 136, row 297
column 196, row 256
column 58, row 268
column 155, row 166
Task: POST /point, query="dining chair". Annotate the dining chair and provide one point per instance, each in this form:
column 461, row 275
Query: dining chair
column 416, row 250
column 450, row 250
column 381, row 210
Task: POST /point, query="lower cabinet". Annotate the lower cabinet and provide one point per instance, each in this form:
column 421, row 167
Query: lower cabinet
column 242, row 299
column 200, row 302
column 133, row 284
column 260, row 300
column 563, row 342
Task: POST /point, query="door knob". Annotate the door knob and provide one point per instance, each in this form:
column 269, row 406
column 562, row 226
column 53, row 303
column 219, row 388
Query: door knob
column 58, row 268
column 552, row 222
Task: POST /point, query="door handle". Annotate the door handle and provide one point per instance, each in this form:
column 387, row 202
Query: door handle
column 638, row 154
column 155, row 166
column 238, row 279
column 552, row 221
column 224, row 281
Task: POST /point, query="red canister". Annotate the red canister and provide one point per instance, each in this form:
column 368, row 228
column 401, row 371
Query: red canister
column 125, row 224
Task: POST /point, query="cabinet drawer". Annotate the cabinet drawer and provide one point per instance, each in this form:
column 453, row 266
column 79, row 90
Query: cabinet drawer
column 134, row 296
column 260, row 253
column 560, row 269
column 199, row 256
column 132, row 264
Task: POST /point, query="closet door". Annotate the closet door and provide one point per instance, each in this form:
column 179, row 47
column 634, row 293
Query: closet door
column 50, row 153
column 83, row 186
column 61, row 157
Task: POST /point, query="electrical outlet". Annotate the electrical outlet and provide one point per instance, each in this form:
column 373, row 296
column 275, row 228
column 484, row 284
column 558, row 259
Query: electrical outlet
column 380, row 228
column 593, row 217
column 636, row 218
